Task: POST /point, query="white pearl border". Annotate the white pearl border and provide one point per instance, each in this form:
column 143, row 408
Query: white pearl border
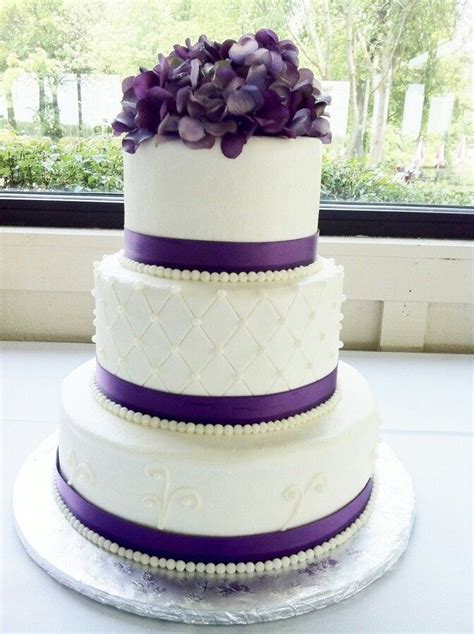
column 214, row 429
column 204, row 276
column 302, row 557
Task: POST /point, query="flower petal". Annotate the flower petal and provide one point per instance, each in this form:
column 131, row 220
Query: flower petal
column 245, row 100
column 145, row 81
column 223, row 74
column 267, row 38
column 191, row 129
column 220, row 128
column 300, row 125
column 232, row 144
column 305, row 81
column 273, row 115
column 257, row 75
column 148, row 116
column 123, row 122
column 127, row 83
column 241, row 49
column 182, row 97
column 206, row 142
column 158, row 94
column 194, row 74
column 131, row 141
column 169, row 124
column 320, row 129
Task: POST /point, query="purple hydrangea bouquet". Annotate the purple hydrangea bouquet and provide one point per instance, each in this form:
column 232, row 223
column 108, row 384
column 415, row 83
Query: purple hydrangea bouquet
column 230, row 91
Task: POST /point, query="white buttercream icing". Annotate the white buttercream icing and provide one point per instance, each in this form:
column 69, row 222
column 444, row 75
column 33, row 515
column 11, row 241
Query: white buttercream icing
column 270, row 192
column 300, row 558
column 217, row 338
column 221, row 469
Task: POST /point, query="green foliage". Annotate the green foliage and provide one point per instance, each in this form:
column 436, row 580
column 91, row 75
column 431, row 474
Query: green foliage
column 70, row 164
column 61, row 29
column 95, row 165
column 354, row 179
column 51, row 38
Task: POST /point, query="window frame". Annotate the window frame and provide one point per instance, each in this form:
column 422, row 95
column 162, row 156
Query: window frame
column 106, row 211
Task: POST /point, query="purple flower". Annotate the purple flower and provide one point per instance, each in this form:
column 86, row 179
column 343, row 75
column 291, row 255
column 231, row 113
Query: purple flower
column 228, row 91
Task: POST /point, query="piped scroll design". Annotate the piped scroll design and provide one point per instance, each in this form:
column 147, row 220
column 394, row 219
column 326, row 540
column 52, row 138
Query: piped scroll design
column 296, row 493
column 80, row 471
column 184, row 496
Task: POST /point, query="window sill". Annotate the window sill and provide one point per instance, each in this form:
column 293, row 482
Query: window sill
column 402, row 293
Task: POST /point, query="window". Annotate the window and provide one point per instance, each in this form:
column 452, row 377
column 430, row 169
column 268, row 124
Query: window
column 399, row 72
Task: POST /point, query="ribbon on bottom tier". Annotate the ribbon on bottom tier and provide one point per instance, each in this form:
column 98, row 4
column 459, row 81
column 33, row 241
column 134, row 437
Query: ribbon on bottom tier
column 199, row 548
column 224, row 410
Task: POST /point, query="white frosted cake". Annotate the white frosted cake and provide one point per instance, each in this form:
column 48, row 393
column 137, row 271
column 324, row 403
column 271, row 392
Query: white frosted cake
column 216, row 430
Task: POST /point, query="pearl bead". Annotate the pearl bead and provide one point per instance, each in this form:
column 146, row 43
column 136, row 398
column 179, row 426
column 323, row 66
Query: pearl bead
column 170, row 564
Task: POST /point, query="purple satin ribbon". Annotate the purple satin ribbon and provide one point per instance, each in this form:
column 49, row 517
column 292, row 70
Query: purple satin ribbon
column 199, row 548
column 226, row 410
column 206, row 255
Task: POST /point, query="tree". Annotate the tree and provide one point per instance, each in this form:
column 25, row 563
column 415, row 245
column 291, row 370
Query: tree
column 49, row 38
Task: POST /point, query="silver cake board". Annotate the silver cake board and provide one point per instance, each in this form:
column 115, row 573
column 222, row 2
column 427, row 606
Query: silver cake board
column 211, row 599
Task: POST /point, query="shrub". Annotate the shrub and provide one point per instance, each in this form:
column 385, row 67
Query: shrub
column 354, row 179
column 69, row 164
column 95, row 164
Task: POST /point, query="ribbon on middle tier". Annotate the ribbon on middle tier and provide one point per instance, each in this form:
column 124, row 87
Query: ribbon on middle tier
column 216, row 257
column 224, row 410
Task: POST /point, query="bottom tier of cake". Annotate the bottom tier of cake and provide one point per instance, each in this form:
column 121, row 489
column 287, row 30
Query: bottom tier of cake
column 216, row 499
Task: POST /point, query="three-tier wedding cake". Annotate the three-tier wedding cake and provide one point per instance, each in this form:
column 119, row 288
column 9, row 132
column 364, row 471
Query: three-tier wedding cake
column 216, row 431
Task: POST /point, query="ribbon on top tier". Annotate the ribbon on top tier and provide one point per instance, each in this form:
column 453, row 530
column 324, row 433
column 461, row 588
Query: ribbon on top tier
column 216, row 257
column 225, row 410
column 199, row 548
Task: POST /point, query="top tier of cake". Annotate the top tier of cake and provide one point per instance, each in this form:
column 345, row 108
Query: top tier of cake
column 269, row 193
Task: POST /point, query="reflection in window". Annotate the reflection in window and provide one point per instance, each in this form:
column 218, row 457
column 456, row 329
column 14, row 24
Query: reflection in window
column 398, row 72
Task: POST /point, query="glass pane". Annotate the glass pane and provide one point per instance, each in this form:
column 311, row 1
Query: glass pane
column 399, row 72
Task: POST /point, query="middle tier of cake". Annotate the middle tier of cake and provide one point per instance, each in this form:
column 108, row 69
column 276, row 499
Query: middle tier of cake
column 217, row 339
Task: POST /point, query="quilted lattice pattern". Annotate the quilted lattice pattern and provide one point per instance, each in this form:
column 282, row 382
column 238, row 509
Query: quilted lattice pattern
column 217, row 339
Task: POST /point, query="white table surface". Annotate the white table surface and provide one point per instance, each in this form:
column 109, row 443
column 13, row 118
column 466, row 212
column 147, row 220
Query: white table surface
column 426, row 405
